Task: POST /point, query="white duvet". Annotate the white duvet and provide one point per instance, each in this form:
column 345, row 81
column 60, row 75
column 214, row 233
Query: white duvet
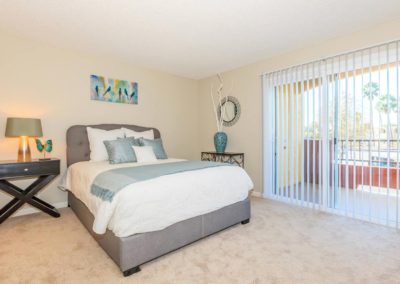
column 157, row 203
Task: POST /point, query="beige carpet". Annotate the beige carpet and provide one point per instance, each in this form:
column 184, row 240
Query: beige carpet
column 282, row 244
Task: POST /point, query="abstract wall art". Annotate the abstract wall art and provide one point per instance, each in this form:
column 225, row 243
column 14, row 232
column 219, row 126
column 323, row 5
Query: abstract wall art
column 112, row 90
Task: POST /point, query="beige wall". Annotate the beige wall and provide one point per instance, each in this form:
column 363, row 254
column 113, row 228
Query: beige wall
column 246, row 135
column 53, row 84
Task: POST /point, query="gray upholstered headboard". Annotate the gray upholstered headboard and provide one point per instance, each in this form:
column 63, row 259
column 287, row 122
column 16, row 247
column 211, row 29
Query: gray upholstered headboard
column 78, row 144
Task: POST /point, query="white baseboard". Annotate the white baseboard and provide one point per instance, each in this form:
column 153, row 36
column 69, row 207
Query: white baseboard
column 256, row 194
column 31, row 210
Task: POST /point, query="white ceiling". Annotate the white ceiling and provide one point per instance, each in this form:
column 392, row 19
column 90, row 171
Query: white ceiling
column 192, row 38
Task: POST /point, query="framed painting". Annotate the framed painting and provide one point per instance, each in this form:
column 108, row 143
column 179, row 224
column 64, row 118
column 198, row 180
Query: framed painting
column 113, row 90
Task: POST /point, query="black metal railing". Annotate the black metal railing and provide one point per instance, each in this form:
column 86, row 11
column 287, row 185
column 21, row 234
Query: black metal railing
column 375, row 152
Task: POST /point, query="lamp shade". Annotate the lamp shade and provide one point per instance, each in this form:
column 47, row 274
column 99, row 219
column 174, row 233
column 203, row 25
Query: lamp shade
column 16, row 126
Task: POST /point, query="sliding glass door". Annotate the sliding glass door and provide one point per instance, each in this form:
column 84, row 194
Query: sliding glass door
column 335, row 124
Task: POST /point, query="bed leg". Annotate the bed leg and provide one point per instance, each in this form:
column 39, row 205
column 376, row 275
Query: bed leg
column 131, row 271
column 245, row 221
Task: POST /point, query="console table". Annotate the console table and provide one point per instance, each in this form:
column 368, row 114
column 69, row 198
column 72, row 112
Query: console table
column 45, row 170
column 227, row 157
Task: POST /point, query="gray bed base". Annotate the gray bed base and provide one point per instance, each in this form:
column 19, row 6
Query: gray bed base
column 131, row 252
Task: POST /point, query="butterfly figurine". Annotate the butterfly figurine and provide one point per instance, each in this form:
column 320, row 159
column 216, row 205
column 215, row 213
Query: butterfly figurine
column 47, row 147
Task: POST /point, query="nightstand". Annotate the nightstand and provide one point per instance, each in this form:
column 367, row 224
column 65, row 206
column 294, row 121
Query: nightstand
column 46, row 171
column 227, row 157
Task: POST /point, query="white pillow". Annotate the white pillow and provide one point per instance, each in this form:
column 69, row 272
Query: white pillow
column 98, row 151
column 144, row 154
column 148, row 134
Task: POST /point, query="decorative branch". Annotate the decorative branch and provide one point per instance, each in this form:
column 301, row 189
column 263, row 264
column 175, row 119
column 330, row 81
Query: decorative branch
column 219, row 92
column 221, row 103
column 214, row 108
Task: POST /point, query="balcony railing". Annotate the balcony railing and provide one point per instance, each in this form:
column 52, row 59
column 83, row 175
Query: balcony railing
column 375, row 152
column 360, row 162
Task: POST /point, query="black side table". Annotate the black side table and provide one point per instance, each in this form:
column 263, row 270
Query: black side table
column 231, row 158
column 46, row 171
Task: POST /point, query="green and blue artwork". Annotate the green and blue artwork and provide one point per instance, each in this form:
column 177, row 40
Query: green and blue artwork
column 46, row 147
column 112, row 90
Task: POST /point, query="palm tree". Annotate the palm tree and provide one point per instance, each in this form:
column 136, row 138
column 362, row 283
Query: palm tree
column 386, row 104
column 371, row 91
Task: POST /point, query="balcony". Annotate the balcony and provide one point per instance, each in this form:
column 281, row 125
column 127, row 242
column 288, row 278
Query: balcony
column 363, row 179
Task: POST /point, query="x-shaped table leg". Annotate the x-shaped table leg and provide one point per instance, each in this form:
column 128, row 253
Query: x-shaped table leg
column 26, row 196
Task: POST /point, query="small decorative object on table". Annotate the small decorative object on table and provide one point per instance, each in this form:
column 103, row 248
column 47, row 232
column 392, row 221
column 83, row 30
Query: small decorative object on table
column 24, row 128
column 231, row 158
column 47, row 147
column 227, row 113
column 220, row 138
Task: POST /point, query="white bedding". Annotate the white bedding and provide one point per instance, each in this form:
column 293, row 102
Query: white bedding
column 155, row 204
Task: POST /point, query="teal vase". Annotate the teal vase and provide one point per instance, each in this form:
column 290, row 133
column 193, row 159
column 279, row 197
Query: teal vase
column 220, row 141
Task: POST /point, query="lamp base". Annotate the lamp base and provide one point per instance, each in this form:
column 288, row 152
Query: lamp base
column 24, row 152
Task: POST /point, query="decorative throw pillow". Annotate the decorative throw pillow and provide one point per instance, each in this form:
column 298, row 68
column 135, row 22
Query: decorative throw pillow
column 157, row 146
column 148, row 134
column 133, row 141
column 98, row 151
column 144, row 154
column 120, row 151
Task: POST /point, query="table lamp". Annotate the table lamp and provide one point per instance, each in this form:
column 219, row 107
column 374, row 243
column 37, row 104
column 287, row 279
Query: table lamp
column 23, row 128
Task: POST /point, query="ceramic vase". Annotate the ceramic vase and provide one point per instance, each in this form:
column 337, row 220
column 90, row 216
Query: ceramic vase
column 220, row 141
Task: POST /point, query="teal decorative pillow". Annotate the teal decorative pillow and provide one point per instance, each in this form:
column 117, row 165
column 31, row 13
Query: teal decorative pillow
column 133, row 141
column 120, row 151
column 157, row 145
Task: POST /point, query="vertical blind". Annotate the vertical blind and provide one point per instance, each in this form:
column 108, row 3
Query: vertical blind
column 331, row 134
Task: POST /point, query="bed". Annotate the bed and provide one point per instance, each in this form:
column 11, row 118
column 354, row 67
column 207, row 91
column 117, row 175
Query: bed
column 129, row 252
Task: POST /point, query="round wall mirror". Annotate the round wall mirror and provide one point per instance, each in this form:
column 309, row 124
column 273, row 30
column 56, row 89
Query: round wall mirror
column 230, row 110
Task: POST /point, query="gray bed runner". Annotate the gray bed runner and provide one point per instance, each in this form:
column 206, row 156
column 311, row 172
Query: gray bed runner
column 110, row 182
